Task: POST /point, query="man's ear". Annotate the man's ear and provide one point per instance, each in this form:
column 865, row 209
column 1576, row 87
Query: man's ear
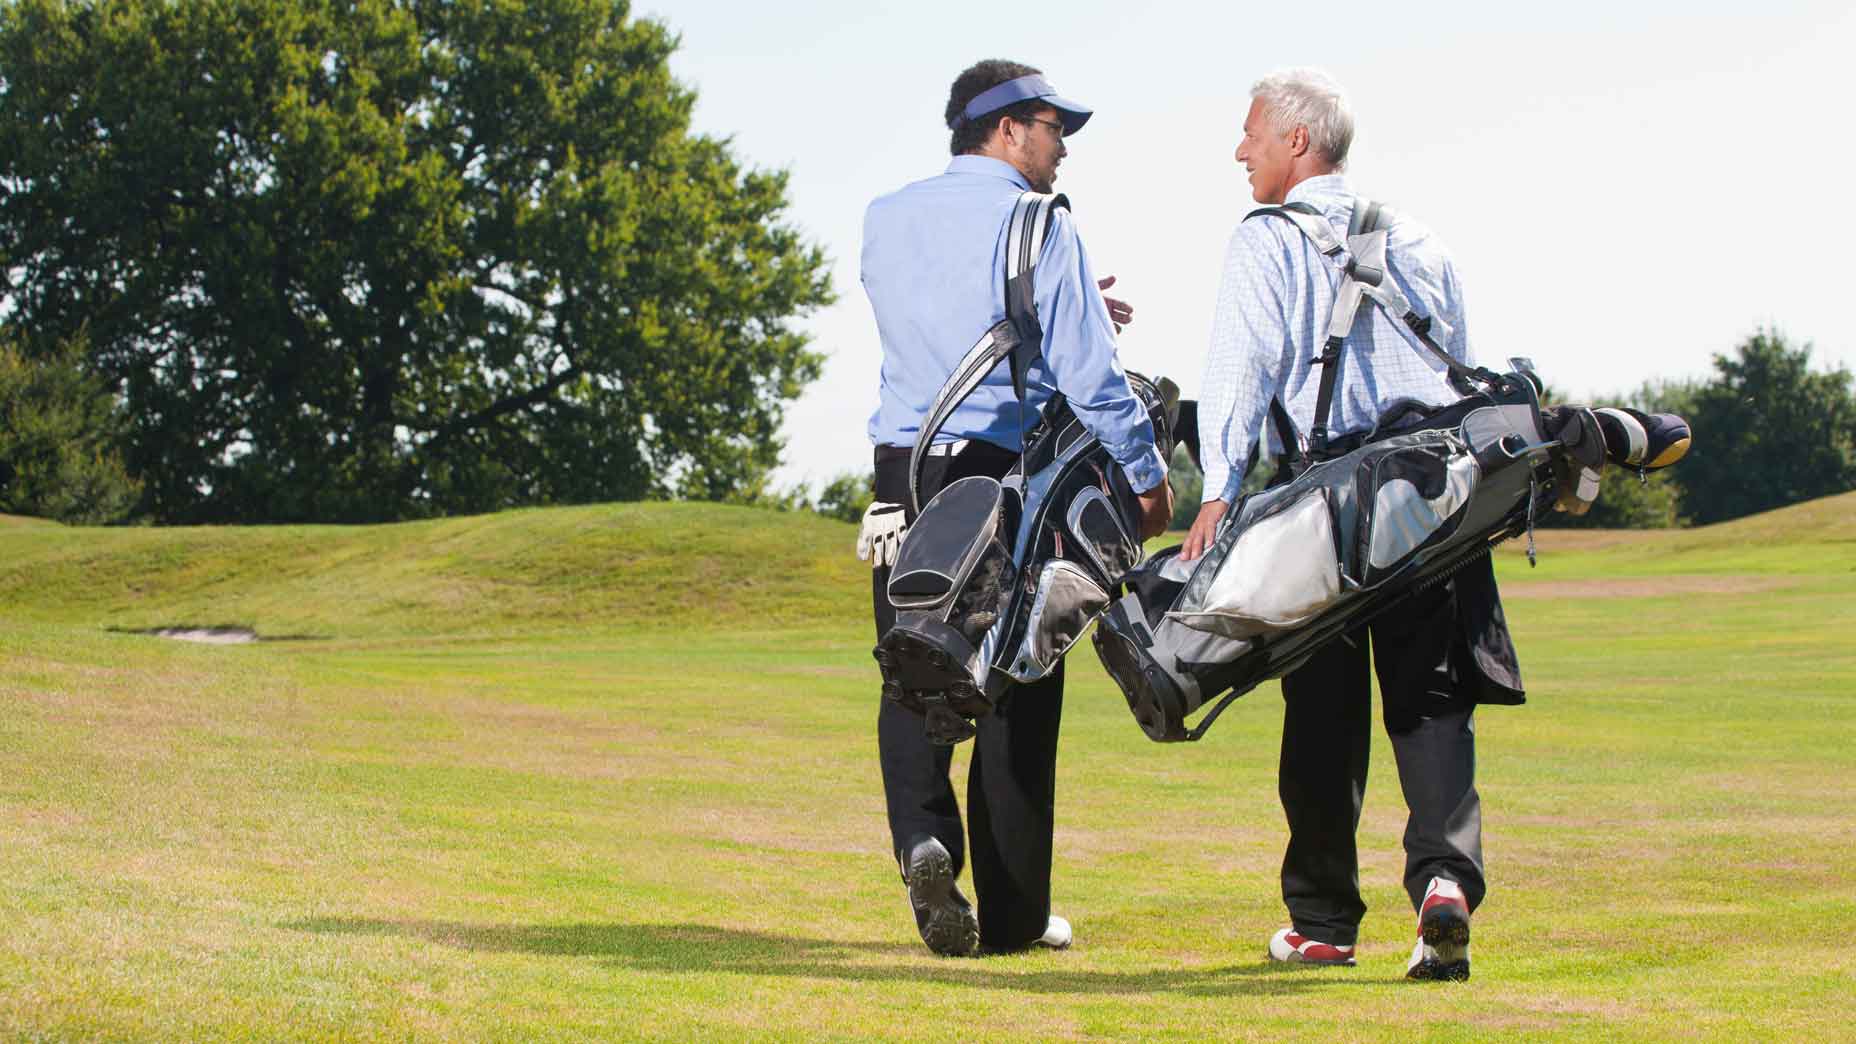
column 1298, row 140
column 1008, row 131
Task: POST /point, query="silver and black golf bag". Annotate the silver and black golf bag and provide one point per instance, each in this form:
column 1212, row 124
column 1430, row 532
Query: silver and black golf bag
column 1302, row 563
column 1354, row 534
column 997, row 578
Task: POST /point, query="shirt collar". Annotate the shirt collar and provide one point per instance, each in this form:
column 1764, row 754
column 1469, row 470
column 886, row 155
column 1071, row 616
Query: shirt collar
column 988, row 166
column 1320, row 185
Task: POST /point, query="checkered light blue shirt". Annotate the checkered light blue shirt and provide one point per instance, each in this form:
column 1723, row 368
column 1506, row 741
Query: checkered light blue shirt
column 1272, row 318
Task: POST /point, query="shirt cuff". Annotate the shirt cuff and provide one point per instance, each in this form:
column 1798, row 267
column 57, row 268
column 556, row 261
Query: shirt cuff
column 1216, row 477
column 1146, row 473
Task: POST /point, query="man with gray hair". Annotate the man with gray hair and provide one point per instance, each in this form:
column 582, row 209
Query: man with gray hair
column 1269, row 355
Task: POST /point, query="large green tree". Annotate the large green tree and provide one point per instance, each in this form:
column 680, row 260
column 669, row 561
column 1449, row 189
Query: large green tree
column 1769, row 431
column 376, row 259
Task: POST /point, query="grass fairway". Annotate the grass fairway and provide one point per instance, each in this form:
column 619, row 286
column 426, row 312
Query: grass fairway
column 610, row 772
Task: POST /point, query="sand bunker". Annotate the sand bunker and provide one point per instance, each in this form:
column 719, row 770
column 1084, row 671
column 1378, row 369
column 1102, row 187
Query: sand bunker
column 208, row 635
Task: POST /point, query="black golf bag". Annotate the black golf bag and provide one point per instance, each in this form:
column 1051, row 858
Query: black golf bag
column 996, row 579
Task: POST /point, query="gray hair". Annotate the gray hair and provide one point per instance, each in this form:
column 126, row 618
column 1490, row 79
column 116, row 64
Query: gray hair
column 1309, row 98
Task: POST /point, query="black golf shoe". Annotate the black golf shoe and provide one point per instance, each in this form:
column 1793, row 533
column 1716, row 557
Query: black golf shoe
column 942, row 915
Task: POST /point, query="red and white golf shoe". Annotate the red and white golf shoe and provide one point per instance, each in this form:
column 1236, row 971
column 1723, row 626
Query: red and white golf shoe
column 1295, row 948
column 1442, row 949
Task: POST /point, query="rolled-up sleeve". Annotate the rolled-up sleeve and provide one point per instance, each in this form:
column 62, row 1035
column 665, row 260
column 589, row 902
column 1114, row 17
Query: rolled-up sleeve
column 1079, row 351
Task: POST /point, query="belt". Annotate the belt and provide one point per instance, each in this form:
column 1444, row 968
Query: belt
column 1343, row 445
column 939, row 449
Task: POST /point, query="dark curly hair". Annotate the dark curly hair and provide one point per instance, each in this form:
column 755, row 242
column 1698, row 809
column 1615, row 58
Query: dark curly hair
column 979, row 78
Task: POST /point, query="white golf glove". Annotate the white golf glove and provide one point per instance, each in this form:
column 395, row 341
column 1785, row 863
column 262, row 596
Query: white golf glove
column 881, row 534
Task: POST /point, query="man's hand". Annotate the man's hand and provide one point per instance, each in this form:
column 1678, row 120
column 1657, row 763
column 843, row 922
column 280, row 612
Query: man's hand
column 1156, row 509
column 1204, row 529
column 1120, row 312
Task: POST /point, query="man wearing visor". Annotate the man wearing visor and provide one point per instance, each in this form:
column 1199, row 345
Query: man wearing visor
column 933, row 267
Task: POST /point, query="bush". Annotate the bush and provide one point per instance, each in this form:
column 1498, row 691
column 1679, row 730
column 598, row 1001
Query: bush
column 59, row 426
column 1188, row 484
column 1768, row 432
column 847, row 496
column 1626, row 502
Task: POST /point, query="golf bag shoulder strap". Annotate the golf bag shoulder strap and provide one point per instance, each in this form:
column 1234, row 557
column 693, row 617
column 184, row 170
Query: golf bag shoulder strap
column 1304, row 216
column 1286, row 434
column 1363, row 275
column 1018, row 337
column 1032, row 217
column 1368, row 216
column 1316, row 229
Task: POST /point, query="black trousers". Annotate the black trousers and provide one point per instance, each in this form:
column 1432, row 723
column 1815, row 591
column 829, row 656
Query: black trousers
column 1326, row 734
column 1012, row 781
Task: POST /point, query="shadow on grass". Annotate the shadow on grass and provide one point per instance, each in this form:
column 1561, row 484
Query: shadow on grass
column 708, row 949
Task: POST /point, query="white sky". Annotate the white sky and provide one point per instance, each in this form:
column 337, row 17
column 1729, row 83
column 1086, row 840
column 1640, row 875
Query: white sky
column 1627, row 189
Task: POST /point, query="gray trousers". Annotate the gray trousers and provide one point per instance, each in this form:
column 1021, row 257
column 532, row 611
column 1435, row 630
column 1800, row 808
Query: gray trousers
column 1326, row 736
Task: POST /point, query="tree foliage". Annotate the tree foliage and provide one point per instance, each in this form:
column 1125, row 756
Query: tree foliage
column 1626, row 501
column 391, row 258
column 57, row 426
column 1768, row 432
column 1188, row 484
column 847, row 496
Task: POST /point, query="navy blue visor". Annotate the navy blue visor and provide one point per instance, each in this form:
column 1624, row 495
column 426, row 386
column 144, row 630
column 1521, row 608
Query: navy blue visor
column 1025, row 88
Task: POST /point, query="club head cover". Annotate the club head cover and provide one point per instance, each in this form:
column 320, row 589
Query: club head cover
column 1649, row 441
column 1581, row 467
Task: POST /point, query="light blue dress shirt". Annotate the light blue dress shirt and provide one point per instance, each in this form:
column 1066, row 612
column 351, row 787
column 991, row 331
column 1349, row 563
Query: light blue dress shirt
column 933, row 267
column 1271, row 321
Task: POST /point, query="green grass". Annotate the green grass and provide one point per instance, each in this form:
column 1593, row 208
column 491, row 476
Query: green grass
column 610, row 772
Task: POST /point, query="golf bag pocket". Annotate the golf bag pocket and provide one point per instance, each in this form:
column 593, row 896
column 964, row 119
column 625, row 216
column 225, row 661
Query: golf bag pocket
column 1101, row 535
column 1066, row 600
column 1279, row 572
column 1415, row 496
column 952, row 564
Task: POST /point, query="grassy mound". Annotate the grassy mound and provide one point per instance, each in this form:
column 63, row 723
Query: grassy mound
column 1824, row 520
column 621, row 567
column 1801, row 539
column 584, row 569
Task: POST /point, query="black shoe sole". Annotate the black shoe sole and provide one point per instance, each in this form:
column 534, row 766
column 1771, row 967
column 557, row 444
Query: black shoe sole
column 1153, row 698
column 949, row 929
column 925, row 671
column 1439, row 971
column 1444, row 925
